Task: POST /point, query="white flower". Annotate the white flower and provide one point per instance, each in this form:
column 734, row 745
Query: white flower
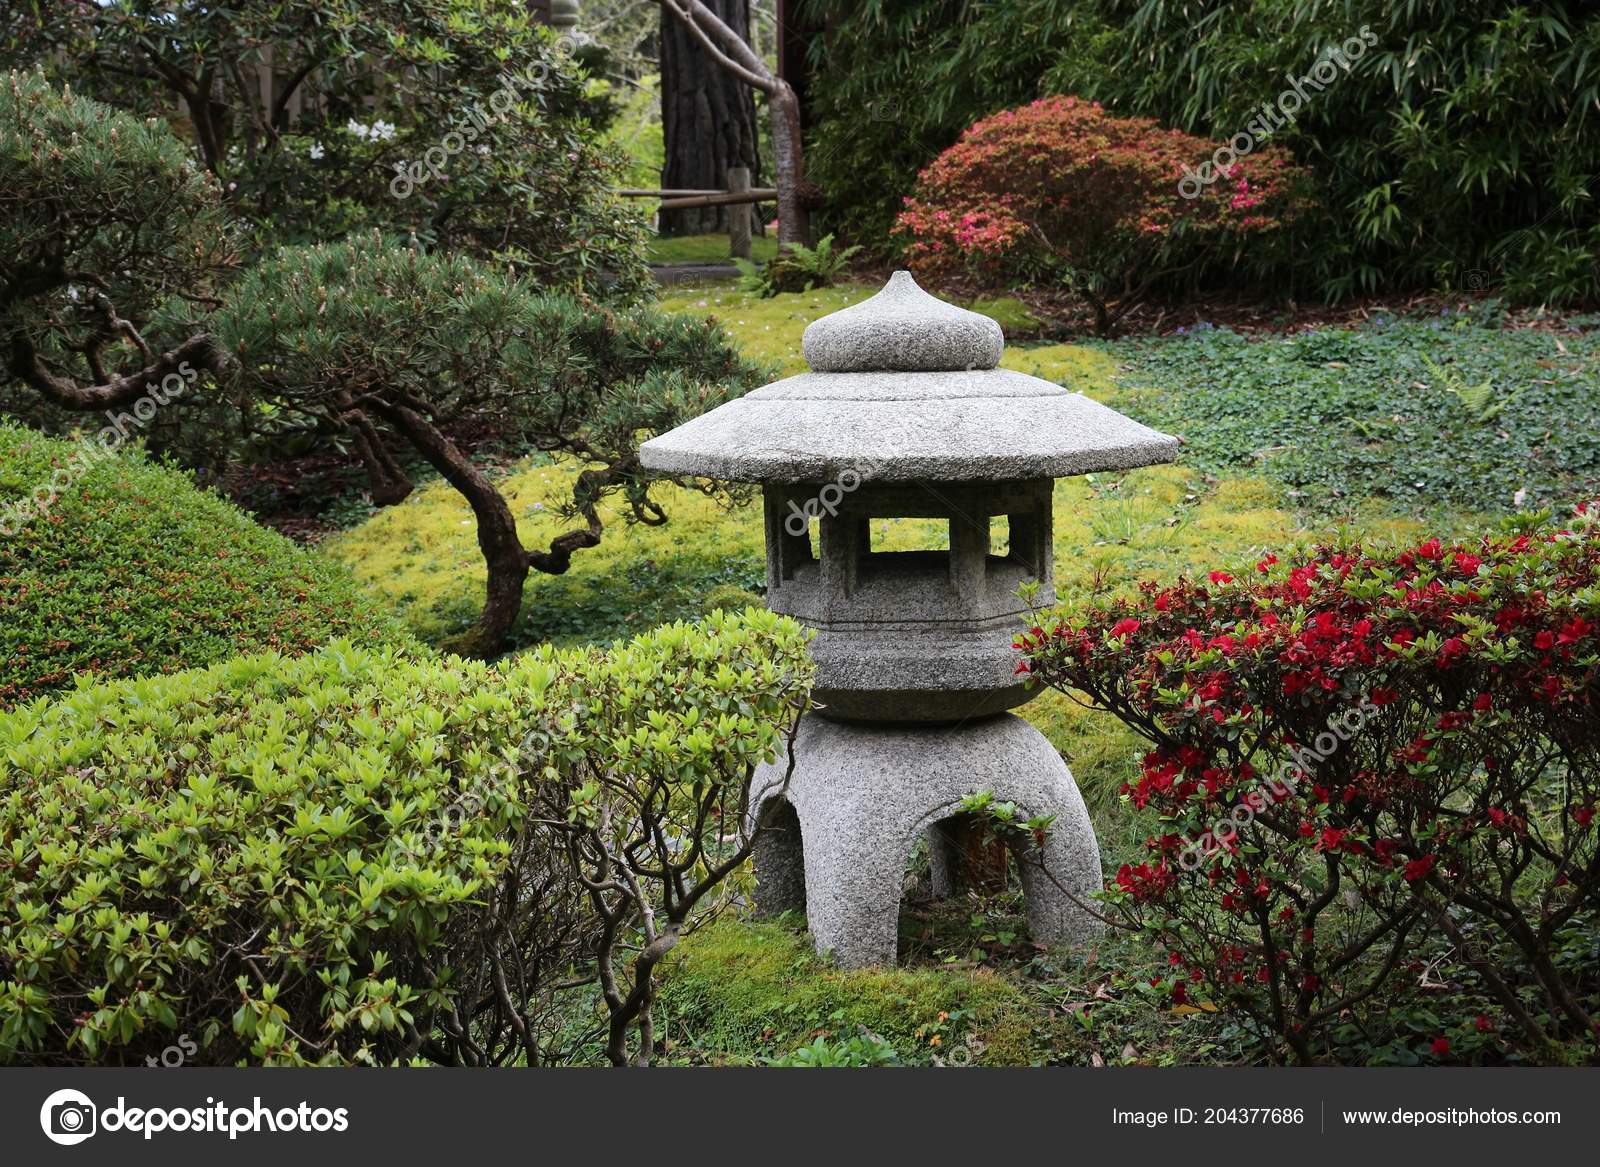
column 357, row 129
column 382, row 131
column 316, row 150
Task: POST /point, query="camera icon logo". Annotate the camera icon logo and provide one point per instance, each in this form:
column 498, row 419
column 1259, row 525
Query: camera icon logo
column 68, row 1117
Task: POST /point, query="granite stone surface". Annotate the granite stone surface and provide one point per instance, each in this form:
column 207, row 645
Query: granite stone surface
column 861, row 797
column 906, row 415
column 989, row 426
column 902, row 328
column 905, row 387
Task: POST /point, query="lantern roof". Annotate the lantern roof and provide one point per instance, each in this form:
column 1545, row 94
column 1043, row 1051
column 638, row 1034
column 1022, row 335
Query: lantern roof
column 906, row 387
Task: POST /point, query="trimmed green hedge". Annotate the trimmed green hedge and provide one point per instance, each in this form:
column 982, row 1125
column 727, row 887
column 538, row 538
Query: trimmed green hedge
column 131, row 569
column 310, row 859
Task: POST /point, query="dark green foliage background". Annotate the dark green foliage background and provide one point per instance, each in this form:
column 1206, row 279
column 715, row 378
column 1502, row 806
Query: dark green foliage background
column 1460, row 152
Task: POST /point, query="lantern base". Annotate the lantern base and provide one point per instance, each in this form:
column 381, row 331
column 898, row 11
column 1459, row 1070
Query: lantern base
column 859, row 797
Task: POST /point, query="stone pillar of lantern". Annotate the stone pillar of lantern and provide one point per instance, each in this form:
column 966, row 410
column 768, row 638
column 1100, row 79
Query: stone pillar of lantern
column 564, row 14
column 559, row 14
column 906, row 414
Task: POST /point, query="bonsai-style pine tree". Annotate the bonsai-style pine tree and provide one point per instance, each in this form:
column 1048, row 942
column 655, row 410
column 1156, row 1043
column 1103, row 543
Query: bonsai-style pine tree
column 398, row 348
column 111, row 244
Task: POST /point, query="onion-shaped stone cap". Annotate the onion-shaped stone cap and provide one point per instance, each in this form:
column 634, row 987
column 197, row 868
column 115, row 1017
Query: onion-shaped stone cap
column 902, row 330
column 962, row 421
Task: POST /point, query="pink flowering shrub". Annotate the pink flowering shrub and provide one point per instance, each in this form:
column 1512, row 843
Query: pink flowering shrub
column 1355, row 755
column 1062, row 190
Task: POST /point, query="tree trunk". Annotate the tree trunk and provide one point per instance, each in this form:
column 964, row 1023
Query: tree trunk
column 794, row 225
column 708, row 120
column 503, row 553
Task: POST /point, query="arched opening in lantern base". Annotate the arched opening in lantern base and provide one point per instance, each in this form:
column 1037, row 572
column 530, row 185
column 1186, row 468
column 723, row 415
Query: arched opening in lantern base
column 780, row 863
column 963, row 894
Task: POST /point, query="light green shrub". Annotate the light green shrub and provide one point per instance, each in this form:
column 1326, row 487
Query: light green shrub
column 327, row 859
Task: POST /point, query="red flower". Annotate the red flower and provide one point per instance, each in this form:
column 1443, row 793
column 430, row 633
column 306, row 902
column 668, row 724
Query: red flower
column 1583, row 816
column 1575, row 631
column 1467, row 564
column 1266, row 563
column 1483, row 702
column 1125, row 627
column 1220, row 577
column 1544, row 641
column 1418, row 868
column 1481, row 1023
column 1440, row 1047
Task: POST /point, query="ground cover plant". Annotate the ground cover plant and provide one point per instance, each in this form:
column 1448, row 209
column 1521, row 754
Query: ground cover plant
column 708, row 249
column 1441, row 413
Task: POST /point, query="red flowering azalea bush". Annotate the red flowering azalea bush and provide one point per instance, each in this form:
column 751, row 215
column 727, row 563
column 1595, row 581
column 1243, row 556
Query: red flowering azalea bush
column 1358, row 759
column 1062, row 190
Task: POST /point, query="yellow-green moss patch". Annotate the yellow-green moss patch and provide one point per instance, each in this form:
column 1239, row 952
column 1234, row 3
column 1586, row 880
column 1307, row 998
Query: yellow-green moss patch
column 741, row 991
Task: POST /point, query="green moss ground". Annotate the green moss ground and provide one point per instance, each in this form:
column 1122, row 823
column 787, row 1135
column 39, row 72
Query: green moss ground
column 706, row 248
column 744, row 991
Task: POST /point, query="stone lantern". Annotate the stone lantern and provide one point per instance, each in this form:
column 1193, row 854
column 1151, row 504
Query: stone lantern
column 906, row 414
